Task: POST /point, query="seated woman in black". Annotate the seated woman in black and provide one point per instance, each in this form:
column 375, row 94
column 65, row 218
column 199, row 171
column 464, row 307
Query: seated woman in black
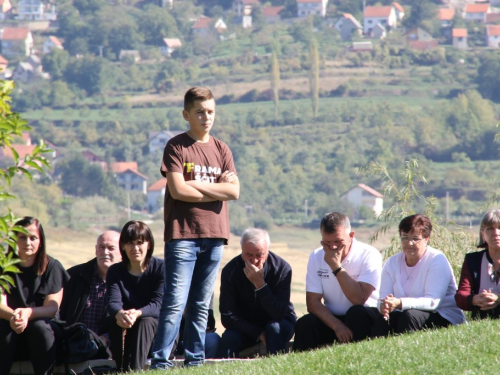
column 27, row 331
column 135, row 290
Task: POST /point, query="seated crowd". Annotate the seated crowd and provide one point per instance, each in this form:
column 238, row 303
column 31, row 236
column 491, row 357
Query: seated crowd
column 350, row 294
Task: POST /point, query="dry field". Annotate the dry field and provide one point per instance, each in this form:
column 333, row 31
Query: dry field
column 293, row 244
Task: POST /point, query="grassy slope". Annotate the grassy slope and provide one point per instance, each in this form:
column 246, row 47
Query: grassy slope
column 466, row 349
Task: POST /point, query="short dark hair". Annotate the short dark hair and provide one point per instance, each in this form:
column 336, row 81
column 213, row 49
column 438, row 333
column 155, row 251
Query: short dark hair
column 490, row 218
column 41, row 257
column 333, row 220
column 418, row 222
column 196, row 93
column 134, row 230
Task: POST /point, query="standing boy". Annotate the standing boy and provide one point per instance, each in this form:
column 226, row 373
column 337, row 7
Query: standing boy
column 201, row 177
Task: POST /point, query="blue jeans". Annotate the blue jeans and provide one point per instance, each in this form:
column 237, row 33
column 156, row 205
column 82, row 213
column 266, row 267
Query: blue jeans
column 278, row 334
column 191, row 268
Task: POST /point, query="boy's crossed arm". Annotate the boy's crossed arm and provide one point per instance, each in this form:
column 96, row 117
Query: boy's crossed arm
column 196, row 191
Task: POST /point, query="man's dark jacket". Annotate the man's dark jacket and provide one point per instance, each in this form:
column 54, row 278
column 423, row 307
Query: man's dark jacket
column 247, row 310
column 76, row 292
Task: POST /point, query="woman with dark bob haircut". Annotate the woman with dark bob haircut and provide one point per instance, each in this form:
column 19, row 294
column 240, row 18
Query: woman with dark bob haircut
column 479, row 288
column 417, row 286
column 135, row 290
column 27, row 331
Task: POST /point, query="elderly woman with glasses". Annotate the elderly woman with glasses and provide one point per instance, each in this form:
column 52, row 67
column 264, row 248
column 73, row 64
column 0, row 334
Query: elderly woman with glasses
column 418, row 287
column 479, row 288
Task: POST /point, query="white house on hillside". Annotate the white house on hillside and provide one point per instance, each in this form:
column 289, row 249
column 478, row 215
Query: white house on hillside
column 363, row 195
column 158, row 140
column 50, row 43
column 348, row 26
column 311, row 8
column 373, row 15
column 16, row 41
column 476, row 12
column 156, row 192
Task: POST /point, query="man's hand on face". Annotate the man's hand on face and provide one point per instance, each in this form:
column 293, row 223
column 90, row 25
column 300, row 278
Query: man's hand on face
column 254, row 274
column 333, row 256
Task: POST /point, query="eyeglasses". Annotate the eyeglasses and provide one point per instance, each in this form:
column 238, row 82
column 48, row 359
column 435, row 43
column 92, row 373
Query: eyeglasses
column 413, row 240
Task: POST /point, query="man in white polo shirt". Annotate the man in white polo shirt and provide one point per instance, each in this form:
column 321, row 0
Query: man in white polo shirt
column 345, row 274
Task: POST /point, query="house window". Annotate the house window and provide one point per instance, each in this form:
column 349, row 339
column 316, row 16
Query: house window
column 370, row 21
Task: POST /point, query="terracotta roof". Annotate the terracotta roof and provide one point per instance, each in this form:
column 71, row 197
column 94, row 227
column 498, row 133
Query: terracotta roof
column 378, row 11
column 423, row 45
column 493, row 30
column 477, row 8
column 122, row 166
column 172, row 42
column 54, row 40
column 398, row 7
column 446, row 14
column 202, row 23
column 3, row 60
column 158, row 185
column 492, row 17
column 271, row 11
column 459, row 33
column 18, row 33
column 22, row 150
column 133, row 172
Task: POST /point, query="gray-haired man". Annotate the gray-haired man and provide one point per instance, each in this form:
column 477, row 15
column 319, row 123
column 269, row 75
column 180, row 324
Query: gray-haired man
column 255, row 298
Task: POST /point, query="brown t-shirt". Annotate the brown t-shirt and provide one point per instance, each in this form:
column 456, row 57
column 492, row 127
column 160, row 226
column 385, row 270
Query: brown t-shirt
column 196, row 161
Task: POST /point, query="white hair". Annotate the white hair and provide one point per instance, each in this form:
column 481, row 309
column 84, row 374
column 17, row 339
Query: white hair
column 255, row 236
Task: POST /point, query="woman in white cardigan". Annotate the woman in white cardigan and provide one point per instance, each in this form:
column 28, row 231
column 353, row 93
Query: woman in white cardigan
column 418, row 287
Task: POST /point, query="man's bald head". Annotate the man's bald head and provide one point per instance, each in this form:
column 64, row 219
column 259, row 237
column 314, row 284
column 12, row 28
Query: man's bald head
column 107, row 251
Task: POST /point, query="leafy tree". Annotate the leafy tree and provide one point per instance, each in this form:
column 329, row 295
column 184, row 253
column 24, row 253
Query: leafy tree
column 156, row 23
column 55, row 63
column 408, row 199
column 275, row 83
column 420, row 11
column 88, row 73
column 314, row 76
column 81, row 179
column 11, row 127
column 488, row 79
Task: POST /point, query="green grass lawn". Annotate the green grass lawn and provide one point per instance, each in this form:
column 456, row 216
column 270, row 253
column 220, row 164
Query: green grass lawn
column 466, row 349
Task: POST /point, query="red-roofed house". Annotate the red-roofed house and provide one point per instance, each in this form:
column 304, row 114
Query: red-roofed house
column 400, row 12
column 363, row 195
column 16, row 41
column 492, row 18
column 446, row 15
column 311, row 8
column 122, row 166
column 5, row 8
column 244, row 7
column 50, row 43
column 132, row 180
column 156, row 194
column 459, row 38
column 493, row 36
column 476, row 12
column 348, row 26
column 22, row 150
column 94, row 159
column 272, row 14
column 202, row 26
column 373, row 15
column 418, row 38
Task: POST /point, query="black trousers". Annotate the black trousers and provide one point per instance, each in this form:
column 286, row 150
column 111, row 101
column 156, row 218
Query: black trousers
column 414, row 320
column 311, row 332
column 132, row 353
column 37, row 343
